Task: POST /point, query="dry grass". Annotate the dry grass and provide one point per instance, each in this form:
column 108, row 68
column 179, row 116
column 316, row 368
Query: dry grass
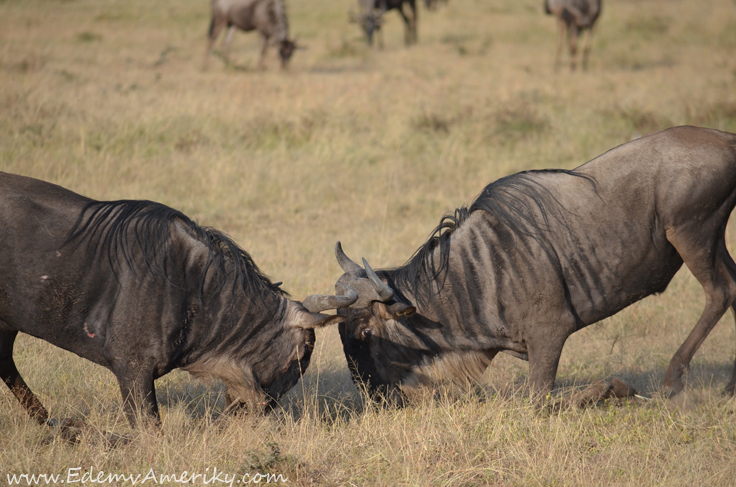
column 370, row 147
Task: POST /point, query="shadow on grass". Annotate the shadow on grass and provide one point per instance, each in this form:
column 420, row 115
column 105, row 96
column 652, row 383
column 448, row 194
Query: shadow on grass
column 334, row 399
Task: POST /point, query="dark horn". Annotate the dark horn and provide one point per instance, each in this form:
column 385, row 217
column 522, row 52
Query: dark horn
column 316, row 303
column 346, row 264
column 383, row 290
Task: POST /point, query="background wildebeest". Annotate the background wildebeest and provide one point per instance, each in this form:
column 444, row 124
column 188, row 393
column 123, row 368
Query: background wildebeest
column 140, row 289
column 542, row 254
column 433, row 4
column 268, row 17
column 371, row 14
column 573, row 17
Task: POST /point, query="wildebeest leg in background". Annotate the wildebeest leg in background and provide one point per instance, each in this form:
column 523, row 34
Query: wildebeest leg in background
column 15, row 382
column 586, row 48
column 414, row 14
column 215, row 28
column 264, row 47
column 378, row 21
column 715, row 270
column 410, row 24
column 731, row 387
column 228, row 40
column 562, row 30
column 139, row 394
column 573, row 33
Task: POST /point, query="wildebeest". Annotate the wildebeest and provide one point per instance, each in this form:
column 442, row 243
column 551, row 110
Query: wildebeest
column 573, row 17
column 371, row 17
column 541, row 254
column 268, row 17
column 433, row 4
column 140, row 289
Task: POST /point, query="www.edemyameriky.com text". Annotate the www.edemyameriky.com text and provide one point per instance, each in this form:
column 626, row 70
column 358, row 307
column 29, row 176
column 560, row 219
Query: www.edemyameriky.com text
column 92, row 476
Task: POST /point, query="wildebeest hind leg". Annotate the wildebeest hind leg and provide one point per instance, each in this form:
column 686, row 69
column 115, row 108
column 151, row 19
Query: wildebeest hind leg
column 714, row 268
column 15, row 382
column 586, row 48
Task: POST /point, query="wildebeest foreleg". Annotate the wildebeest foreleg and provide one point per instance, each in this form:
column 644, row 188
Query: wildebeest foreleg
column 139, row 395
column 562, row 29
column 410, row 24
column 215, row 28
column 10, row 375
column 544, row 357
column 716, row 272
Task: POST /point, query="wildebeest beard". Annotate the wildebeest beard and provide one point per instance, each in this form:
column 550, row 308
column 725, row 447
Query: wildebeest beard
column 402, row 354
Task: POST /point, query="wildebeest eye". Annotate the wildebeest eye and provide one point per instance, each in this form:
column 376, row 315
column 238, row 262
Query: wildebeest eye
column 366, row 334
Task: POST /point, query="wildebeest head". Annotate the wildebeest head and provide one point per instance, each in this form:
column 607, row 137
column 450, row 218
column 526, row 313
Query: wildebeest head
column 282, row 354
column 286, row 50
column 381, row 352
column 370, row 20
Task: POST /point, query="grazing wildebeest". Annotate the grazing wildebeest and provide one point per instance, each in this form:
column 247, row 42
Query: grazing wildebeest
column 542, row 254
column 573, row 17
column 433, row 4
column 268, row 17
column 140, row 289
column 371, row 18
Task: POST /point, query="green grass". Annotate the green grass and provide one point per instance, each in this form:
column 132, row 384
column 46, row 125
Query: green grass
column 370, row 147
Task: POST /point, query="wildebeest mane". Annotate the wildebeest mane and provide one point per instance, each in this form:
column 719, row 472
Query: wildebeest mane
column 516, row 201
column 138, row 234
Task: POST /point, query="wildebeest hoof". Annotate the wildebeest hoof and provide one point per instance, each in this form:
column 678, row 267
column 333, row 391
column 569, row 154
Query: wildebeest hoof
column 114, row 440
column 596, row 392
column 671, row 392
column 621, row 389
column 672, row 388
column 601, row 390
column 72, row 431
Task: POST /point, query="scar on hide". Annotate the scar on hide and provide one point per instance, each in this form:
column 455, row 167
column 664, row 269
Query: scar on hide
column 91, row 335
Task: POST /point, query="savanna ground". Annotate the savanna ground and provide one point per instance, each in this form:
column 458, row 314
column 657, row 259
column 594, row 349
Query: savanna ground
column 370, row 147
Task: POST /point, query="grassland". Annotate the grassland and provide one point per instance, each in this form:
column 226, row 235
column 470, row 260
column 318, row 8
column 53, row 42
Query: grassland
column 370, row 147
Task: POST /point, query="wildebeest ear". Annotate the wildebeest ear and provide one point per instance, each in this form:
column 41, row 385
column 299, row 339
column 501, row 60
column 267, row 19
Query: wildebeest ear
column 316, row 320
column 395, row 311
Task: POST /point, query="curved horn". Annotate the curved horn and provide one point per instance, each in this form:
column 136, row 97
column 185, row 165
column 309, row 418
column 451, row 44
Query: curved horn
column 383, row 289
column 346, row 264
column 316, row 303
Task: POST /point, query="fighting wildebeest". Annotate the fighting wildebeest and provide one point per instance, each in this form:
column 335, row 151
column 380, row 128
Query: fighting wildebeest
column 141, row 289
column 371, row 18
column 268, row 17
column 573, row 17
column 542, row 254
